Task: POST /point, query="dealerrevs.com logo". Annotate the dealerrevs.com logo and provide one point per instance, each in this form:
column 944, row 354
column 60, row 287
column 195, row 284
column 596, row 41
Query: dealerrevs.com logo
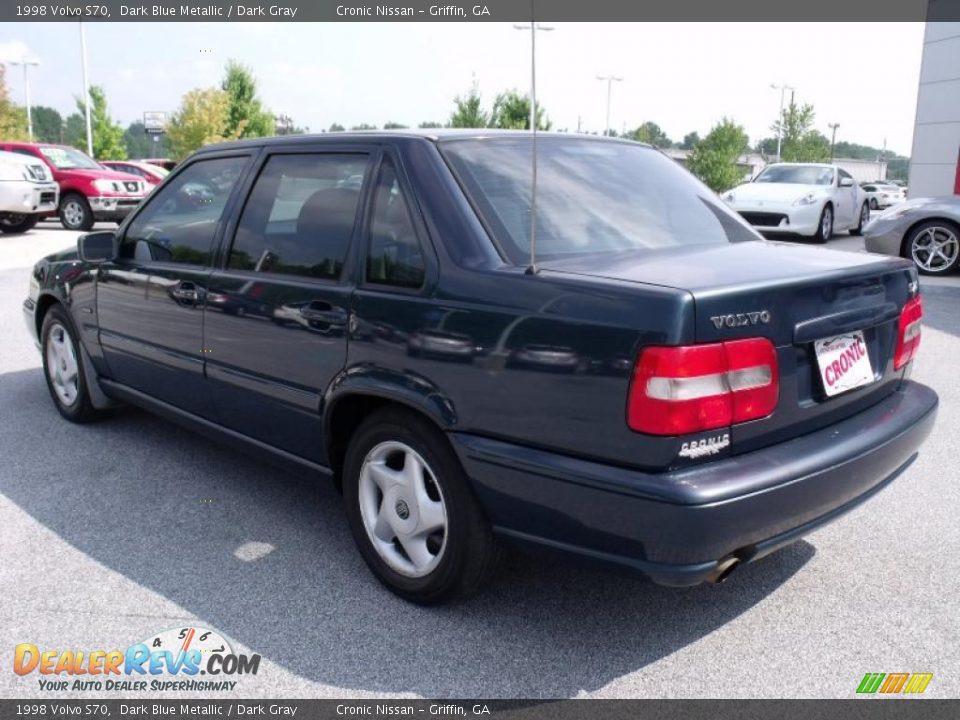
column 171, row 660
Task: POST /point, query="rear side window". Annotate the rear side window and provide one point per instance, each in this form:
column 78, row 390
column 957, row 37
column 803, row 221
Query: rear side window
column 593, row 197
column 300, row 215
column 180, row 220
column 394, row 255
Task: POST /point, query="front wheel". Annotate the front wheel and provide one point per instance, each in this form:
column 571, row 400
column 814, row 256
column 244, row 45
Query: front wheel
column 934, row 247
column 825, row 227
column 12, row 223
column 63, row 367
column 75, row 212
column 412, row 512
column 864, row 218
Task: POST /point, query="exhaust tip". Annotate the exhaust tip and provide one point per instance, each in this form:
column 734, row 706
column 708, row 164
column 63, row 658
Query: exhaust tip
column 724, row 568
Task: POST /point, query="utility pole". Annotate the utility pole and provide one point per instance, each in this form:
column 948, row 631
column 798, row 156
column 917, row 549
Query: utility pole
column 86, row 91
column 26, row 89
column 533, row 28
column 610, row 80
column 782, row 88
column 833, row 137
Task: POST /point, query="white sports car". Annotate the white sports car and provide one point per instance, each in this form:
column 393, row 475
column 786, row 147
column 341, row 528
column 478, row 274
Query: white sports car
column 807, row 199
column 883, row 195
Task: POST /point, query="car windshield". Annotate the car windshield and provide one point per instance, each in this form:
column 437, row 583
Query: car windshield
column 68, row 159
column 593, row 196
column 797, row 175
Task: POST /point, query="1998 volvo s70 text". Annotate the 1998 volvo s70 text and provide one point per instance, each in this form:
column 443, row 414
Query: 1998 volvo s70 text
column 663, row 390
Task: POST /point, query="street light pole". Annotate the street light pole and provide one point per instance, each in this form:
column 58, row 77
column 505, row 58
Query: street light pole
column 534, row 27
column 610, row 80
column 86, row 91
column 833, row 137
column 782, row 88
column 26, row 89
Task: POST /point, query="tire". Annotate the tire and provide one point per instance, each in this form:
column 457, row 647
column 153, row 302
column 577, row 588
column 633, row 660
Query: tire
column 385, row 509
column 934, row 247
column 63, row 368
column 75, row 212
column 874, row 205
column 13, row 223
column 824, row 229
column 864, row 217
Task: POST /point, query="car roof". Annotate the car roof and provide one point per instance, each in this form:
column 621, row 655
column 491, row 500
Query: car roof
column 435, row 135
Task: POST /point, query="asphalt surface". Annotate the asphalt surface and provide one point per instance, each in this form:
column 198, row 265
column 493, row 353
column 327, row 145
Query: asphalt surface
column 111, row 533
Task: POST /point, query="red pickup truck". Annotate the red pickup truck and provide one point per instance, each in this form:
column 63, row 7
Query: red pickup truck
column 89, row 192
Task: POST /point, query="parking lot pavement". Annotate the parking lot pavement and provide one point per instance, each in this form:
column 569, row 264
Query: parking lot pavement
column 113, row 532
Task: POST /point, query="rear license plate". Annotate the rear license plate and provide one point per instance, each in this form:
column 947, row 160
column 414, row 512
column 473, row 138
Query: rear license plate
column 844, row 363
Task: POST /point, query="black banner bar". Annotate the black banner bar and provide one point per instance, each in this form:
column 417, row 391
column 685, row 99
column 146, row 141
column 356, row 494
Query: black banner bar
column 480, row 11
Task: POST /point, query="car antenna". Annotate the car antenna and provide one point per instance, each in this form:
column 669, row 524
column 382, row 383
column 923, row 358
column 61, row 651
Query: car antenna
column 534, row 27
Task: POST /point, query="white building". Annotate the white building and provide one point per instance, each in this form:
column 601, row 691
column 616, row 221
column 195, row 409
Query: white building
column 935, row 160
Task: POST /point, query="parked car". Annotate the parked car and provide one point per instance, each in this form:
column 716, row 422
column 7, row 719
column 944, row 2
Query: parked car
column 88, row 192
column 165, row 163
column 27, row 192
column 152, row 175
column 806, row 199
column 765, row 391
column 881, row 196
column 924, row 230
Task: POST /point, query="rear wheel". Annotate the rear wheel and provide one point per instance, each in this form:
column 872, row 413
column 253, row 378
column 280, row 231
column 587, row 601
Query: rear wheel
column 825, row 226
column 874, row 205
column 63, row 368
column 11, row 223
column 75, row 212
column 934, row 247
column 864, row 218
column 412, row 511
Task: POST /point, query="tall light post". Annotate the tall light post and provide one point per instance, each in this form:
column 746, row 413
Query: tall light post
column 533, row 27
column 86, row 91
column 26, row 89
column 833, row 137
column 783, row 89
column 610, row 80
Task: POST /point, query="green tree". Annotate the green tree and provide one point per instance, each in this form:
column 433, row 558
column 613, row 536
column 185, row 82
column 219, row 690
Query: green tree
column 801, row 143
column 690, row 141
column 107, row 135
column 13, row 118
column 137, row 142
column 75, row 131
column 652, row 134
column 364, row 126
column 246, row 116
column 336, row 127
column 714, row 159
column 394, row 126
column 429, row 125
column 468, row 111
column 511, row 111
column 47, row 124
column 202, row 118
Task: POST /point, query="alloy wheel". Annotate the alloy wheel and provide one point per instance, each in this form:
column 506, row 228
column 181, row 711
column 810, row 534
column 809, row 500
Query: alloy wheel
column 62, row 366
column 826, row 224
column 73, row 213
column 935, row 249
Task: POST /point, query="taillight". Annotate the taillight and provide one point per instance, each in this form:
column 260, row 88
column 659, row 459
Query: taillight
column 686, row 389
column 908, row 336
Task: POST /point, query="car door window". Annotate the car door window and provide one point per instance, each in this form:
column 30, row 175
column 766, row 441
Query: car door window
column 300, row 215
column 394, row 255
column 178, row 224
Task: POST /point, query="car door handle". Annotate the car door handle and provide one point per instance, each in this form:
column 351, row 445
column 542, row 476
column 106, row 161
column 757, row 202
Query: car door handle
column 317, row 313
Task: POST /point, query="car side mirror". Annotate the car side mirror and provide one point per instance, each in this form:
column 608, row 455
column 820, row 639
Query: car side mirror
column 97, row 247
column 846, row 182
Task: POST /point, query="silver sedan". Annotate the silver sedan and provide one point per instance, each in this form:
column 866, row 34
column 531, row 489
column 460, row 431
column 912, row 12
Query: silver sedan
column 925, row 230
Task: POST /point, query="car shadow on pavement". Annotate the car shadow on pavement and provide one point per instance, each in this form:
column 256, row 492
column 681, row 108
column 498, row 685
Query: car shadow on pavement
column 267, row 558
column 940, row 306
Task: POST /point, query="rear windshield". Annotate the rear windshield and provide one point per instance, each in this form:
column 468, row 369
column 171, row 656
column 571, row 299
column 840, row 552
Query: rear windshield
column 592, row 197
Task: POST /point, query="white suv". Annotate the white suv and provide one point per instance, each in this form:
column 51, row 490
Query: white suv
column 27, row 192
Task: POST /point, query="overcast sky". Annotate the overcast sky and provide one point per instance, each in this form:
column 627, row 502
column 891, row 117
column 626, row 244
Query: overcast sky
column 682, row 76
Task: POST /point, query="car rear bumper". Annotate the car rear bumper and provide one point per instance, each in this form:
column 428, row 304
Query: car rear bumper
column 682, row 527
